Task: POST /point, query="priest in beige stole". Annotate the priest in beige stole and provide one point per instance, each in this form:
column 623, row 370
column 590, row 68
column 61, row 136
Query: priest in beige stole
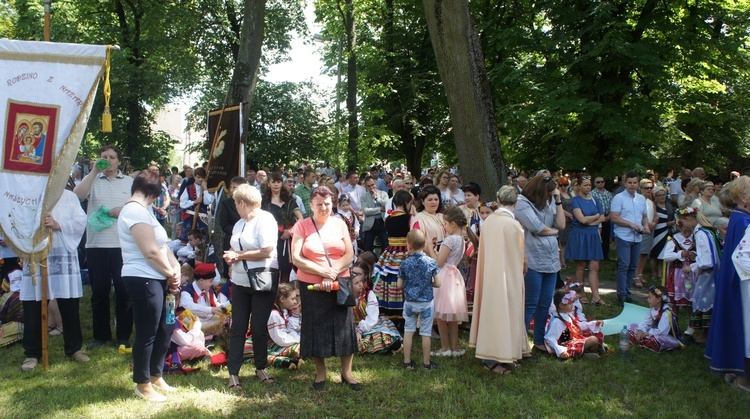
column 497, row 325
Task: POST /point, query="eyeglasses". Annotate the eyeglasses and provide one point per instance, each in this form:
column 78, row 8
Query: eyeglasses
column 599, row 181
column 585, row 177
column 648, row 188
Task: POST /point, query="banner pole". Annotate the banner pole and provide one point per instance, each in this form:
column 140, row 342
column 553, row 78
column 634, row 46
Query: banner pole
column 45, row 335
column 47, row 5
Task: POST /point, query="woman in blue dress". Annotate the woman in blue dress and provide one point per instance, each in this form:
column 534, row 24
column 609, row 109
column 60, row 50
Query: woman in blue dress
column 584, row 242
column 726, row 346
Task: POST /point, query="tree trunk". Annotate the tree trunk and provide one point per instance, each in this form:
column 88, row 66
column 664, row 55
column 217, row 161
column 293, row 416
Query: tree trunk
column 247, row 66
column 351, row 87
column 461, row 66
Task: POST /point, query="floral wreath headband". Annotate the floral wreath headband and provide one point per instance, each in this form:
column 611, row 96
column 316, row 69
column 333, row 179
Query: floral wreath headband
column 687, row 211
column 657, row 292
column 569, row 298
column 490, row 204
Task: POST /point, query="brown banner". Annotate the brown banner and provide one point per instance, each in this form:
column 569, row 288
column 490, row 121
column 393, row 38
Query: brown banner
column 224, row 145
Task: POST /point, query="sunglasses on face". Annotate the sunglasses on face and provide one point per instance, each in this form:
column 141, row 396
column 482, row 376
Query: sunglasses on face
column 599, row 181
column 648, row 188
column 585, row 177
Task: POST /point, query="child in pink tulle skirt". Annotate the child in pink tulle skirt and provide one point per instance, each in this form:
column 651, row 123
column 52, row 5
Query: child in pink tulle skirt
column 450, row 298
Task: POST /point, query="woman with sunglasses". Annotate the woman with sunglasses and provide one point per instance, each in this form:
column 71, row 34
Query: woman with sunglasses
column 539, row 210
column 647, row 187
column 664, row 223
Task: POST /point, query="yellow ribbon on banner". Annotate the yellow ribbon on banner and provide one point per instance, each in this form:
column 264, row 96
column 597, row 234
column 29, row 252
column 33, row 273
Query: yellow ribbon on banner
column 107, row 116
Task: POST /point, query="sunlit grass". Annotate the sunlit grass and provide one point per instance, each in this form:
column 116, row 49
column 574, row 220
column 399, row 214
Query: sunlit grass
column 675, row 384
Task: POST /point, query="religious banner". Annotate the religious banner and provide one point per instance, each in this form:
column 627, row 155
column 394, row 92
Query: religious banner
column 225, row 157
column 48, row 90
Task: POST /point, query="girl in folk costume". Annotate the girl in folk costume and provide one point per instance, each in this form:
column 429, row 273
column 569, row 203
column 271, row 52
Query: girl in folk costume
column 200, row 298
column 11, row 307
column 471, row 208
column 390, row 297
column 487, row 208
column 284, row 325
column 472, row 192
column 195, row 195
column 450, row 298
column 350, row 219
column 705, row 267
column 570, row 336
column 375, row 334
column 680, row 253
column 659, row 331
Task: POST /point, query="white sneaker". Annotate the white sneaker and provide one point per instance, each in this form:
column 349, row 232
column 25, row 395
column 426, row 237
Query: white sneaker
column 689, row 331
column 447, row 352
column 29, row 364
column 459, row 352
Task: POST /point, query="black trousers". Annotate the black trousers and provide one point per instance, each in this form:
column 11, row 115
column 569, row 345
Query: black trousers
column 378, row 229
column 245, row 301
column 105, row 268
column 152, row 333
column 606, row 234
column 33, row 327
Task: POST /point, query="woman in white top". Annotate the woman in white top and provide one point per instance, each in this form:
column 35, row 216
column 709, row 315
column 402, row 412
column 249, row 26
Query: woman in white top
column 253, row 246
column 67, row 220
column 149, row 272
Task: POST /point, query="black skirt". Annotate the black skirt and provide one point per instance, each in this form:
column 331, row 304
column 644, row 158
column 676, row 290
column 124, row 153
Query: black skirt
column 327, row 328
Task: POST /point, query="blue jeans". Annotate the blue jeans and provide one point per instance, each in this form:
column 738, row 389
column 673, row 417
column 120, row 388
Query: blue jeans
column 627, row 260
column 540, row 287
column 152, row 333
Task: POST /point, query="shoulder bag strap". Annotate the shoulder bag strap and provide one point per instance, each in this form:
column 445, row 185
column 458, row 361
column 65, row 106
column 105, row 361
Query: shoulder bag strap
column 321, row 242
column 239, row 241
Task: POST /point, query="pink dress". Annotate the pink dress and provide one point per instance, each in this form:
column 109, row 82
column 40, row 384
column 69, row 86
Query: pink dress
column 450, row 298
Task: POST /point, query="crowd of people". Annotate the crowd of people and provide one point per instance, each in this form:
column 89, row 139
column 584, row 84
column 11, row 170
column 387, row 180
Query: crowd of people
column 290, row 265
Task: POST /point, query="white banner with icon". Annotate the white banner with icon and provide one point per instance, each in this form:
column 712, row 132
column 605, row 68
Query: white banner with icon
column 47, row 93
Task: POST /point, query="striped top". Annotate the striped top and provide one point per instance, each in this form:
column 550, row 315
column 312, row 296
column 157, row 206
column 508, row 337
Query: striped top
column 111, row 194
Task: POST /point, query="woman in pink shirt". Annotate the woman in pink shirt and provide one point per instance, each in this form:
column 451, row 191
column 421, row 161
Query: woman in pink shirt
column 322, row 252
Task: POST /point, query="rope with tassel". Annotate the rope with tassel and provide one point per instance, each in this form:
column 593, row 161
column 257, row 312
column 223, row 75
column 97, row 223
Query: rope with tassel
column 106, row 115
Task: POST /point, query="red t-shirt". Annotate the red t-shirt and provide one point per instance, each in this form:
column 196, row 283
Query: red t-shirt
column 333, row 233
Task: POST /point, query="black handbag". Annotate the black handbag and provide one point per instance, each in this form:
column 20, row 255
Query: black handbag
column 261, row 279
column 345, row 294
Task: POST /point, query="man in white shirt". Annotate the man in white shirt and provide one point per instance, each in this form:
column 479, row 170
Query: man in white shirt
column 109, row 189
column 630, row 217
column 373, row 207
column 398, row 185
column 355, row 192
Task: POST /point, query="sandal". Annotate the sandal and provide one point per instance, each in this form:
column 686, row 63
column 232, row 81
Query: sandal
column 234, row 383
column 601, row 303
column 409, row 365
column 638, row 281
column 497, row 369
column 264, row 377
column 584, row 299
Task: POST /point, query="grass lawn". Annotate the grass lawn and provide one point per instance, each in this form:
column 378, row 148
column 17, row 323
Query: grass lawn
column 675, row 384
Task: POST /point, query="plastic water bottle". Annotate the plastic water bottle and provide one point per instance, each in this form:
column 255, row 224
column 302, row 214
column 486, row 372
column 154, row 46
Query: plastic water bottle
column 170, row 309
column 624, row 345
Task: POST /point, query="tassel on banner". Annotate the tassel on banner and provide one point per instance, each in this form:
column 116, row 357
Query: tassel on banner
column 106, row 115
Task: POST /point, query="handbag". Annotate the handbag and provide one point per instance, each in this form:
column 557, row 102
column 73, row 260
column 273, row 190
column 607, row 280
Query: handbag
column 261, row 279
column 345, row 293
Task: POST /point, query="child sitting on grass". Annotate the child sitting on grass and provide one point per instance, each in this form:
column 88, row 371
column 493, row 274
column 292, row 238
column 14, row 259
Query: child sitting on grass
column 659, row 331
column 284, row 325
column 376, row 334
column 569, row 334
column 417, row 275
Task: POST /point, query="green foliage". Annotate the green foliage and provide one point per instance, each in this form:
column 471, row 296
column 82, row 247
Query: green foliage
column 286, row 125
column 7, row 19
column 403, row 111
column 613, row 86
